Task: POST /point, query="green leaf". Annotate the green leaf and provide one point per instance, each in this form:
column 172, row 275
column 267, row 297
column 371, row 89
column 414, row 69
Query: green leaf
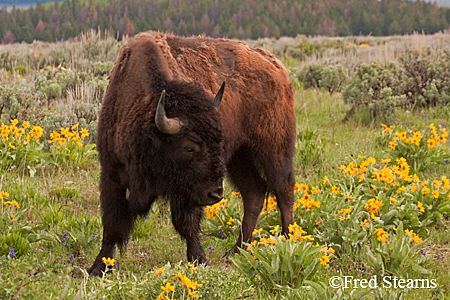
column 419, row 269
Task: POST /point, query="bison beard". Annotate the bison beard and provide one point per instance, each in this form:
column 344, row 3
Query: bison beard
column 160, row 135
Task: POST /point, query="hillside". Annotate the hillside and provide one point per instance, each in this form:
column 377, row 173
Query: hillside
column 234, row 19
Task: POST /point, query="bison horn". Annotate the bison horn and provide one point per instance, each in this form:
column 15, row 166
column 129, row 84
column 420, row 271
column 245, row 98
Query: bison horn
column 164, row 124
column 219, row 95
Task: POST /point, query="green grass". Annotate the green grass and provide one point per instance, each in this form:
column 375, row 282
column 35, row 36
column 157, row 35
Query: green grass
column 59, row 221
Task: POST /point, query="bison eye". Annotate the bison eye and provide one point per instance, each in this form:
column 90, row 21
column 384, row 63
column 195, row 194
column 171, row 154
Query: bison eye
column 188, row 149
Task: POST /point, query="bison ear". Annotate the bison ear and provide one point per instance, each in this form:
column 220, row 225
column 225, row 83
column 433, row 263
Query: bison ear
column 219, row 96
column 164, row 124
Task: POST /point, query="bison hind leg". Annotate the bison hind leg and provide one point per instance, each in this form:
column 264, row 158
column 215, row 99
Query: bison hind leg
column 281, row 181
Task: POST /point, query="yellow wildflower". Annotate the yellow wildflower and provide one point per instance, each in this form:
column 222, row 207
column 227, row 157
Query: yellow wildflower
column 303, row 187
column 373, row 205
column 168, row 288
column 4, row 194
column 193, row 294
column 110, row 261
column 296, row 232
column 272, row 231
column 435, row 194
column 335, row 189
column 235, row 194
column 361, row 178
column 36, row 132
column 401, row 135
column 413, row 236
column 12, row 203
column 382, row 235
column 345, row 213
column 324, row 260
column 256, row 231
column 20, row 131
column 84, row 132
column 161, row 296
column 231, row 221
column 431, row 143
column 420, row 207
column 211, row 211
column 365, row 223
column 187, row 282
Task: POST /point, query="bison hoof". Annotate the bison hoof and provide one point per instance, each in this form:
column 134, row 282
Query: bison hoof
column 231, row 252
column 96, row 270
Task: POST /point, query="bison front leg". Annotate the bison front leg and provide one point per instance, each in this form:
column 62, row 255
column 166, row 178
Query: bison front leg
column 117, row 220
column 187, row 223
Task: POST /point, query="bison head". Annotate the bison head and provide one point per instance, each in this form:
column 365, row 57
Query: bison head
column 188, row 159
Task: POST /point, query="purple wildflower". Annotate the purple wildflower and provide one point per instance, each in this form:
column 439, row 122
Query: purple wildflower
column 145, row 217
column 12, row 253
column 211, row 249
column 71, row 257
column 439, row 256
column 65, row 234
column 423, row 252
column 222, row 233
column 117, row 264
column 446, row 161
column 94, row 236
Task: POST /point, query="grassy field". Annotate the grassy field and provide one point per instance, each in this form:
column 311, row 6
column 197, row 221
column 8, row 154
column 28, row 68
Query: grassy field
column 356, row 199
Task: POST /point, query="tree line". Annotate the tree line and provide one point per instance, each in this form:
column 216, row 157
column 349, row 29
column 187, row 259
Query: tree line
column 231, row 18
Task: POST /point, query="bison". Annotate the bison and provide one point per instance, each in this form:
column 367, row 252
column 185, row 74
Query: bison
column 162, row 134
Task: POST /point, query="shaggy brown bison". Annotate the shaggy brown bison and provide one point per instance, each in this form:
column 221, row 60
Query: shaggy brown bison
column 161, row 134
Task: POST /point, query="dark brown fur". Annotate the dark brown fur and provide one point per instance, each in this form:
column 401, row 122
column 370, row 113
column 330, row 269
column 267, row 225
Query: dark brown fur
column 252, row 136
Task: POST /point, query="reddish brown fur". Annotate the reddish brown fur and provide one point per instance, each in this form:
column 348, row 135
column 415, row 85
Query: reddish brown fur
column 257, row 122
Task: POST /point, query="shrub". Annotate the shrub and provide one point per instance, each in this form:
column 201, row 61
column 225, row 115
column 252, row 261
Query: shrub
column 427, row 74
column 316, row 75
column 311, row 75
column 18, row 100
column 306, row 48
column 377, row 86
column 56, row 82
column 102, row 68
column 333, row 78
column 53, row 90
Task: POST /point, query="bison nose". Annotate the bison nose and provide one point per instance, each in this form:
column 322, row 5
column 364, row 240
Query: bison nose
column 216, row 195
